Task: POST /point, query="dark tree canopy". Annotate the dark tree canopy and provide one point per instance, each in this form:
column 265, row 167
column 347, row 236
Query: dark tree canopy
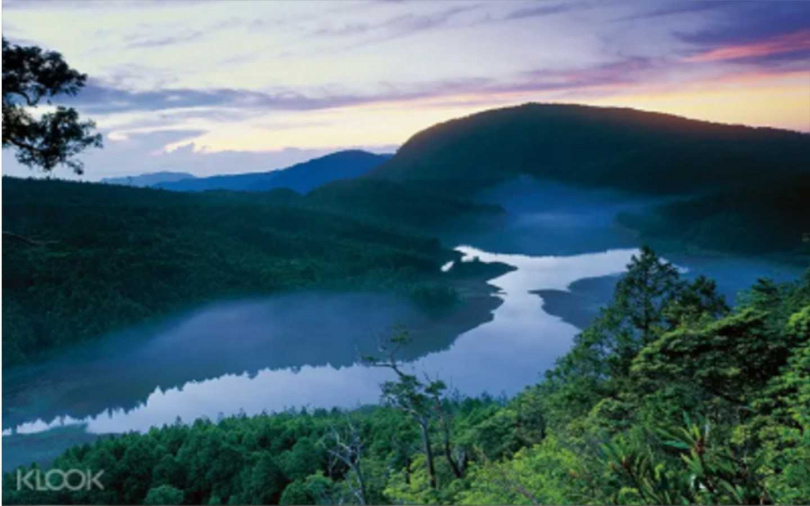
column 53, row 138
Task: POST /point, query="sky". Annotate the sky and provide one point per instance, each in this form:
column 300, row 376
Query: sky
column 212, row 87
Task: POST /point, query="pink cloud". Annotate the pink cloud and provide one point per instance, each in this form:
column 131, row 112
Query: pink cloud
column 789, row 43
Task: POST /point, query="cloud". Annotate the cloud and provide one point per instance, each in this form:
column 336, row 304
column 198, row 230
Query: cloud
column 747, row 22
column 796, row 44
column 153, row 42
column 102, row 99
column 344, row 30
column 412, row 23
column 402, row 25
column 678, row 8
column 543, row 10
column 629, row 70
column 226, row 103
column 96, row 4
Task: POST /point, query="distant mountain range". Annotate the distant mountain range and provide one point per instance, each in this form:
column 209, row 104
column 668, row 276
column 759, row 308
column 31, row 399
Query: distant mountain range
column 301, row 178
column 148, row 179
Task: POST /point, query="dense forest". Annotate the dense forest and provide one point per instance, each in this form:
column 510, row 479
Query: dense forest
column 83, row 259
column 768, row 219
column 411, row 206
column 668, row 397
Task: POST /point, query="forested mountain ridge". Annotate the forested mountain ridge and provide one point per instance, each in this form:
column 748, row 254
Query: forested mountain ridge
column 301, row 178
column 82, row 259
column 622, row 149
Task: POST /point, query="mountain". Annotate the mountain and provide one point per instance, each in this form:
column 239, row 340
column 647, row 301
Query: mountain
column 623, row 149
column 150, row 179
column 737, row 189
column 301, row 178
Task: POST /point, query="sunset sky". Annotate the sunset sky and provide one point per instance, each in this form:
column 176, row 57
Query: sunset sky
column 221, row 87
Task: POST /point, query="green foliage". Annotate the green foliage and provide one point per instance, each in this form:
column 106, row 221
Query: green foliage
column 54, row 138
column 732, row 358
column 542, row 474
column 164, row 494
column 314, row 489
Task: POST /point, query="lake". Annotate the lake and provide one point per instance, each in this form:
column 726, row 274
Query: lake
column 304, row 349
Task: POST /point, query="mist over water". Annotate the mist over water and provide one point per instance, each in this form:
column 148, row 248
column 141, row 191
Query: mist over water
column 499, row 356
column 303, row 349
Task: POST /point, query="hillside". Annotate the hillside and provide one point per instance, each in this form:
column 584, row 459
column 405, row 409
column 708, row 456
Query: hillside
column 409, row 206
column 761, row 220
column 623, row 149
column 82, row 259
column 301, row 178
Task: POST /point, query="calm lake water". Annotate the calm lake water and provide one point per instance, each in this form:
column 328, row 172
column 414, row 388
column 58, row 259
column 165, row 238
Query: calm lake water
column 303, row 349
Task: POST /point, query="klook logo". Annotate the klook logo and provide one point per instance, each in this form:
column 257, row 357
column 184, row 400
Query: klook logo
column 57, row 479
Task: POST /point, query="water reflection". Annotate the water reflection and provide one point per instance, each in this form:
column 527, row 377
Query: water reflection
column 233, row 338
column 500, row 356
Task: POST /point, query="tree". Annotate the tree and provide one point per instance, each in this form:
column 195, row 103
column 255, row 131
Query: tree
column 694, row 301
column 408, row 395
column 594, row 379
column 346, row 446
column 164, row 494
column 644, row 292
column 54, row 138
column 649, row 300
column 730, row 359
column 422, row 402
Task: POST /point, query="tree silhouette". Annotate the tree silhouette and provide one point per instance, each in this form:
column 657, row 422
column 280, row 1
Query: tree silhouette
column 53, row 138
